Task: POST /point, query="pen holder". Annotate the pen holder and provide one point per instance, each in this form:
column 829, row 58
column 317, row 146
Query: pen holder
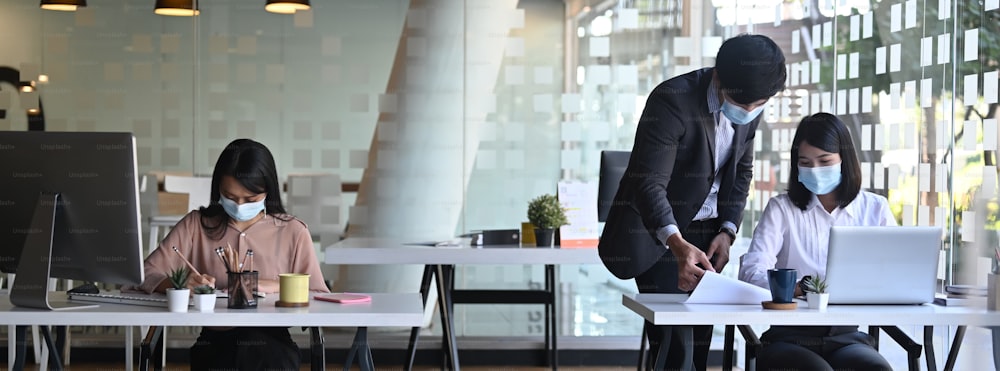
column 242, row 289
column 992, row 296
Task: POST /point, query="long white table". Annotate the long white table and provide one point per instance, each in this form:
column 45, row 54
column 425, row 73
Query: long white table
column 404, row 310
column 667, row 309
column 440, row 262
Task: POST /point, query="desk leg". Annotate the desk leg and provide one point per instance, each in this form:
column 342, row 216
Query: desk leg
column 425, row 287
column 929, row 348
column 659, row 356
column 447, row 321
column 753, row 347
column 20, row 347
column 996, row 347
column 551, row 332
column 727, row 348
column 53, row 351
column 129, row 341
column 360, row 349
column 317, row 351
column 956, row 345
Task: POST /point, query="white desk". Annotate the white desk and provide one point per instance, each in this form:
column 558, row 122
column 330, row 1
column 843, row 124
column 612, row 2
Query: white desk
column 666, row 309
column 440, row 262
column 403, row 310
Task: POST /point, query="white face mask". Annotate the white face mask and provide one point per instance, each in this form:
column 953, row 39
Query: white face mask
column 242, row 212
column 820, row 180
column 740, row 116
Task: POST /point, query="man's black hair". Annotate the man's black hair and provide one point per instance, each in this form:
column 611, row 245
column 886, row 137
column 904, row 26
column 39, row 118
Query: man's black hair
column 750, row 68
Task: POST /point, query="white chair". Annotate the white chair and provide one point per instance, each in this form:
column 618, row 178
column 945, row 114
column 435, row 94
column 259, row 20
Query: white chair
column 198, row 190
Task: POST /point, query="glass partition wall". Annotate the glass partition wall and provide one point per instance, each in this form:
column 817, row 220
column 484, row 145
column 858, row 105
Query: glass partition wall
column 450, row 115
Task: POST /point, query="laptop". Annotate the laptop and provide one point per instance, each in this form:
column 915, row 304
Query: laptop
column 883, row 265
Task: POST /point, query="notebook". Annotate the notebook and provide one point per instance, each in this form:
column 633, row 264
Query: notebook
column 882, row 265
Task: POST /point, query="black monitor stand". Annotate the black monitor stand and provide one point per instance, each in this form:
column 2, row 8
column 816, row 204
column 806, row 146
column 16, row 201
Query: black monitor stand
column 31, row 285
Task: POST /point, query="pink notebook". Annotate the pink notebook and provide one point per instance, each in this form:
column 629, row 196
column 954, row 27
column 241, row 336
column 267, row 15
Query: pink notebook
column 345, row 298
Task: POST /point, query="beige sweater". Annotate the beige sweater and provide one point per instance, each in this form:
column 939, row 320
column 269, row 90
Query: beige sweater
column 279, row 247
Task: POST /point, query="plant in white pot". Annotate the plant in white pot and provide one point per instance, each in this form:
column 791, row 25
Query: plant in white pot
column 178, row 295
column 546, row 214
column 816, row 292
column 204, row 298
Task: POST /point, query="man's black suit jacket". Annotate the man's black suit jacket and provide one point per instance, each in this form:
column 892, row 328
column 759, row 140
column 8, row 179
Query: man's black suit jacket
column 670, row 173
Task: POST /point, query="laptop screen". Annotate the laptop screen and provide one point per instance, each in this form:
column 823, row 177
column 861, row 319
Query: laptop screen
column 883, row 264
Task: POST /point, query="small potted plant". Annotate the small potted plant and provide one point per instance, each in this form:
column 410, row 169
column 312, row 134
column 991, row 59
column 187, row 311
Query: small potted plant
column 816, row 292
column 546, row 214
column 178, row 295
column 204, row 298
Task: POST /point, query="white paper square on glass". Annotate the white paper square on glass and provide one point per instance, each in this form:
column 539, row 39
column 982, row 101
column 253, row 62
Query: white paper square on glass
column 571, row 103
column 971, row 85
column 599, row 74
column 628, row 18
column 866, row 99
column 515, row 47
column 969, row 136
column 990, row 134
column 911, row 13
column 926, row 51
column 795, row 42
column 944, row 48
column 710, row 46
column 896, row 17
column 990, row 86
column 855, row 27
column 926, row 92
column 600, row 46
column 971, row 45
column 627, row 75
column 880, row 60
column 866, row 29
column 683, row 46
column 910, row 94
column 542, row 103
column 895, row 57
column 854, row 65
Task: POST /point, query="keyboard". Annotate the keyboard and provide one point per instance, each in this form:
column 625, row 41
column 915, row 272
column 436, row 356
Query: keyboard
column 149, row 300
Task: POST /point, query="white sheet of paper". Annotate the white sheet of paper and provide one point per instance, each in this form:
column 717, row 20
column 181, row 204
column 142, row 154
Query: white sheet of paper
column 894, row 140
column 715, row 288
column 940, row 185
column 894, row 175
column 909, row 135
column 825, row 98
column 601, row 47
column 971, row 45
column 944, row 48
column 628, row 18
column 925, row 92
column 991, row 4
column 866, row 137
column 926, row 51
column 990, row 86
column 817, row 33
column 908, row 211
column 866, row 173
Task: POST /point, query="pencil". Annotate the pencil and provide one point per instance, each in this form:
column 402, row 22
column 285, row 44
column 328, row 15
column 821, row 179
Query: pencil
column 190, row 266
column 250, row 253
column 219, row 252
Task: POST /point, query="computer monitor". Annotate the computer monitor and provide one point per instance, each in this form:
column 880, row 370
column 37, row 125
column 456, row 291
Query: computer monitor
column 613, row 165
column 68, row 209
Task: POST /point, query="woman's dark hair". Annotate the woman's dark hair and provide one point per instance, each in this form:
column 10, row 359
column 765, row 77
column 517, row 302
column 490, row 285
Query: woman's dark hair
column 251, row 164
column 750, row 68
column 828, row 133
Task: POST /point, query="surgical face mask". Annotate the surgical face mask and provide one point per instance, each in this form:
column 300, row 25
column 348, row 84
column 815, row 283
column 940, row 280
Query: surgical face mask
column 242, row 212
column 738, row 115
column 820, row 180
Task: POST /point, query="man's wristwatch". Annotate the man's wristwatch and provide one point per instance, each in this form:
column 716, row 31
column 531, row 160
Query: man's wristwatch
column 730, row 233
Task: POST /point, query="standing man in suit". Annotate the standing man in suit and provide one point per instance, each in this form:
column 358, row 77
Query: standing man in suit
column 680, row 202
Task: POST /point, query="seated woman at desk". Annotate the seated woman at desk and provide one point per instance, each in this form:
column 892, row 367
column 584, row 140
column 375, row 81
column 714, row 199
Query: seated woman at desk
column 824, row 190
column 246, row 213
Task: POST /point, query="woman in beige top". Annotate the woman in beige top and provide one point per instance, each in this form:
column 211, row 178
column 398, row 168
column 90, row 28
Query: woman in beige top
column 246, row 213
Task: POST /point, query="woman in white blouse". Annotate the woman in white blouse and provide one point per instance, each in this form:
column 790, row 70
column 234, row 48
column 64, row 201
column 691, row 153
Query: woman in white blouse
column 824, row 190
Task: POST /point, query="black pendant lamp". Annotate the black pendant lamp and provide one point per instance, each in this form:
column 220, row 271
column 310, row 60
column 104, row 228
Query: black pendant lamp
column 286, row 6
column 63, row 5
column 183, row 8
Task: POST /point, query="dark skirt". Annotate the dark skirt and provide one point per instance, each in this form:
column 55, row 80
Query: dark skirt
column 245, row 348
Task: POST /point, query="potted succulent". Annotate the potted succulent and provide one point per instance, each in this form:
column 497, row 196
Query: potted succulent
column 178, row 295
column 204, row 298
column 816, row 292
column 546, row 214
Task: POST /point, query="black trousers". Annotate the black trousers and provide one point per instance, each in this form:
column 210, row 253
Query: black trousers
column 819, row 348
column 245, row 348
column 662, row 279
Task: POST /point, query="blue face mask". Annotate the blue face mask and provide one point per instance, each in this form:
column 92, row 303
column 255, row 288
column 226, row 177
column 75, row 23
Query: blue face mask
column 820, row 180
column 738, row 115
column 242, row 212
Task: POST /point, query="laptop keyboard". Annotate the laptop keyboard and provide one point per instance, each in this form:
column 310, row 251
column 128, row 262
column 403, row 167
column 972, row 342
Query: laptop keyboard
column 122, row 298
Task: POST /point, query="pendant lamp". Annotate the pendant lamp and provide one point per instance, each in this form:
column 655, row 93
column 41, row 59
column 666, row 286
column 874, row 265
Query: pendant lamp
column 63, row 5
column 286, row 6
column 185, row 8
